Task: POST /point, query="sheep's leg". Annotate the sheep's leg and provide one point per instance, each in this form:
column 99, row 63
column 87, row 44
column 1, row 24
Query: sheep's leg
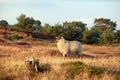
column 64, row 52
column 63, row 55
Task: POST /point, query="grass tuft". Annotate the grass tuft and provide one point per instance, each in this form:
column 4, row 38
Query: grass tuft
column 77, row 68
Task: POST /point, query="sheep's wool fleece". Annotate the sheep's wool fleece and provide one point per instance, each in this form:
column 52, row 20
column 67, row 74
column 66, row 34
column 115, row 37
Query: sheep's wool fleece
column 66, row 47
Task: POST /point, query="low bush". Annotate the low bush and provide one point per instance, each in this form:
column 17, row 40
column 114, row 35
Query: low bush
column 74, row 67
column 95, row 70
column 79, row 68
column 15, row 37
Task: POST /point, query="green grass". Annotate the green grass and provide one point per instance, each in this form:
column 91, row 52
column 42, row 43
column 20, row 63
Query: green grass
column 77, row 68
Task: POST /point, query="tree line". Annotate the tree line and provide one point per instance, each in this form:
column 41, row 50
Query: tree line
column 103, row 32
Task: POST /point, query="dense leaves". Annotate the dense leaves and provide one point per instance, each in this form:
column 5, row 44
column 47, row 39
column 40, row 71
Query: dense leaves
column 91, row 36
column 117, row 36
column 103, row 31
column 27, row 24
column 69, row 30
column 108, row 37
column 3, row 23
column 77, row 67
column 104, row 24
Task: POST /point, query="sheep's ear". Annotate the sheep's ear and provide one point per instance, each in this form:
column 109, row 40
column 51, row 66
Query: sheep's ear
column 57, row 38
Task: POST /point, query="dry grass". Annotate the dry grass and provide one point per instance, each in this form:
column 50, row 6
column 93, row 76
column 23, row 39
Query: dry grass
column 102, row 50
column 12, row 62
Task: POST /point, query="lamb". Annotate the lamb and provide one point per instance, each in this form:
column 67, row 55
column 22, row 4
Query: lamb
column 68, row 48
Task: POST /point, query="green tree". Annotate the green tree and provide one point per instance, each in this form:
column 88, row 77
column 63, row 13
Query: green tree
column 26, row 24
column 104, row 24
column 69, row 30
column 118, row 36
column 108, row 37
column 91, row 36
column 57, row 30
column 75, row 24
column 38, row 22
column 37, row 26
column 73, row 30
column 46, row 28
column 3, row 23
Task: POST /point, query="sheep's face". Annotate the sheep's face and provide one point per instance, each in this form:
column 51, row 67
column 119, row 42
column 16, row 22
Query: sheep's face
column 57, row 39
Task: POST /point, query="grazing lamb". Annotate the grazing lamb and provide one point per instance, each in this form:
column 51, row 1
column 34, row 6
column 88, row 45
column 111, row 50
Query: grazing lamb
column 68, row 48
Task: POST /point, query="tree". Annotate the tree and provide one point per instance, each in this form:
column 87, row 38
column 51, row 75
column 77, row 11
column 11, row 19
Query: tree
column 75, row 24
column 118, row 36
column 38, row 22
column 91, row 36
column 57, row 30
column 37, row 26
column 69, row 30
column 73, row 30
column 104, row 24
column 53, row 31
column 46, row 28
column 4, row 23
column 108, row 37
column 27, row 24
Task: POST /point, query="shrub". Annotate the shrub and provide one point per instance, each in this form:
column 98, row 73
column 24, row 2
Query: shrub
column 108, row 37
column 95, row 70
column 78, row 68
column 91, row 36
column 118, row 36
column 27, row 24
column 15, row 37
column 74, row 67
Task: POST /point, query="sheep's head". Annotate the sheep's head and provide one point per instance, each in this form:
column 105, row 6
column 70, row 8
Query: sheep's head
column 58, row 38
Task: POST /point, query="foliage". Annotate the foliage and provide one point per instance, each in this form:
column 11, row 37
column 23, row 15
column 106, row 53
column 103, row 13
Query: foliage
column 75, row 24
column 103, row 24
column 101, row 33
column 57, row 30
column 37, row 26
column 117, row 33
column 95, row 70
column 46, row 28
column 15, row 37
column 91, row 36
column 27, row 24
column 73, row 30
column 108, row 37
column 69, row 30
column 4, row 23
column 76, row 68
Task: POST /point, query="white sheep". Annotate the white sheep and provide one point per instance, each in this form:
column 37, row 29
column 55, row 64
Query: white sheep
column 69, row 47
